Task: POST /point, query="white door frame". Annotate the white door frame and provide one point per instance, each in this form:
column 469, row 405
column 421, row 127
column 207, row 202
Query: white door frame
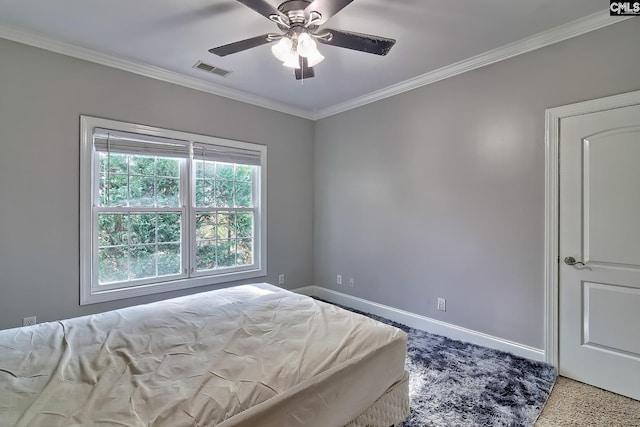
column 552, row 207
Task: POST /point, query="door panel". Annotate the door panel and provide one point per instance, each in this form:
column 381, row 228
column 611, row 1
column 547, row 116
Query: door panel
column 607, row 311
column 611, row 214
column 599, row 312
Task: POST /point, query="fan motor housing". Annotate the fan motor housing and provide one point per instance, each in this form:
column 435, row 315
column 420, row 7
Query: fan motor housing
column 294, row 9
column 291, row 5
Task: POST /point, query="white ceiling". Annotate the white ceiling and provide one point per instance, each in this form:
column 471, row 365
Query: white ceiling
column 165, row 38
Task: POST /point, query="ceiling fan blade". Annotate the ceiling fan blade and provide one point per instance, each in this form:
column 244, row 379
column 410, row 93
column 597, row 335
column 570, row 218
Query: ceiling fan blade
column 304, row 72
column 326, row 8
column 264, row 8
column 357, row 41
column 241, row 45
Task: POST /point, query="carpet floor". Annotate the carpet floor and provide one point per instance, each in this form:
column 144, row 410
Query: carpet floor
column 458, row 384
column 575, row 404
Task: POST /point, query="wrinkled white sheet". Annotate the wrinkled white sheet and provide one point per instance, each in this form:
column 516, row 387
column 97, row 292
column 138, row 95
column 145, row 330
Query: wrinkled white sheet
column 252, row 355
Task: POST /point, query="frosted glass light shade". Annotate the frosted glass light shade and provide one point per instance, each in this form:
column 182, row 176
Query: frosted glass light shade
column 308, row 48
column 292, row 61
column 306, row 44
column 314, row 58
column 282, row 49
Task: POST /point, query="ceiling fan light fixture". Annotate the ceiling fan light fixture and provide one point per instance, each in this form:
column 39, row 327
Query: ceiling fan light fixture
column 308, row 48
column 292, row 61
column 299, row 22
column 282, row 49
column 314, row 58
column 306, row 45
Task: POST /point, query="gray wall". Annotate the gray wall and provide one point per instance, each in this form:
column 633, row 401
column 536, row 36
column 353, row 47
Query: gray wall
column 434, row 192
column 439, row 192
column 42, row 95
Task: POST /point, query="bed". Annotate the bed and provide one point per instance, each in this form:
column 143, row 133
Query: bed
column 251, row 355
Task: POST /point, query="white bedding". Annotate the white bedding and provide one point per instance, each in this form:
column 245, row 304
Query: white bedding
column 252, row 355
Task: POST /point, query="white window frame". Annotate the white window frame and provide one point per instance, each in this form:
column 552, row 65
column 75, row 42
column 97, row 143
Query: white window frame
column 90, row 291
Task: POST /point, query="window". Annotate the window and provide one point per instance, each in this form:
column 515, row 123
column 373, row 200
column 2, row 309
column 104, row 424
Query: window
column 163, row 210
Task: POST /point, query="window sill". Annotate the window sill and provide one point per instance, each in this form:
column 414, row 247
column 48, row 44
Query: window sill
column 94, row 296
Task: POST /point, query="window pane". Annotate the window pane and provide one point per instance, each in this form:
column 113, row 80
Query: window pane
column 204, row 169
column 146, row 181
column 154, row 250
column 168, row 259
column 226, row 226
column 113, row 163
column 199, row 168
column 232, row 187
column 199, row 191
column 142, row 228
column 226, row 253
column 169, row 227
column 205, row 226
column 204, row 192
column 244, row 225
column 103, row 198
column 141, row 165
column 167, row 167
column 224, row 239
column 112, row 230
column 113, row 190
column 168, row 192
column 224, row 171
column 113, row 265
column 243, row 173
column 224, row 194
column 141, row 191
column 205, row 256
column 142, row 261
column 245, row 252
column 243, row 195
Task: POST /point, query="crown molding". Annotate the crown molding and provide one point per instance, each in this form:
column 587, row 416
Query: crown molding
column 572, row 29
column 43, row 42
column 575, row 28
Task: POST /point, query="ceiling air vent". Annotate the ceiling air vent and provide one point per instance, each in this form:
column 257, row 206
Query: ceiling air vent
column 211, row 69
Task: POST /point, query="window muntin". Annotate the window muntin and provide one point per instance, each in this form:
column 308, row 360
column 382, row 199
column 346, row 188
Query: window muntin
column 167, row 210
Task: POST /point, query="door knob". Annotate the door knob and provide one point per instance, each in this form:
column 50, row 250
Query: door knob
column 572, row 261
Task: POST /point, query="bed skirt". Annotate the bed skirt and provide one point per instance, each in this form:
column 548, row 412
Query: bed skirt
column 390, row 409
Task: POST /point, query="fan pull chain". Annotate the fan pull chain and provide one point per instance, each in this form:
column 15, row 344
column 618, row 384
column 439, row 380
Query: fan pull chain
column 301, row 71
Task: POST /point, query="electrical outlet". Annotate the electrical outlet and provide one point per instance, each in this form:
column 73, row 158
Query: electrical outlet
column 352, row 282
column 442, row 304
column 281, row 279
column 339, row 279
column 29, row 321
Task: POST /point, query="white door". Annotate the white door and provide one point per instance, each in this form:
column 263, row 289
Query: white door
column 599, row 301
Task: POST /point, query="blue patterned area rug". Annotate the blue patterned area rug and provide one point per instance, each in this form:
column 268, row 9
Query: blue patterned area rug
column 456, row 384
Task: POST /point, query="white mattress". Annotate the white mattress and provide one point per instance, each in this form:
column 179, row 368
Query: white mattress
column 252, row 355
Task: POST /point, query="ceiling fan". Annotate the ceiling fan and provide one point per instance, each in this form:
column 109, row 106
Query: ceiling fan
column 299, row 22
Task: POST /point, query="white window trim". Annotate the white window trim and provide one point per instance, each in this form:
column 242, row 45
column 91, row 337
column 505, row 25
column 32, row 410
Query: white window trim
column 88, row 295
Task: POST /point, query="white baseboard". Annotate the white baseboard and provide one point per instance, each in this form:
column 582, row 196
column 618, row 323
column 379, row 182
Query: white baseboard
column 424, row 323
